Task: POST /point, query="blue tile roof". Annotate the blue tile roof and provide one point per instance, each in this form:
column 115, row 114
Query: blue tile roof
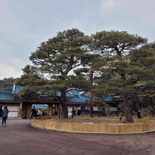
column 76, row 100
column 8, row 96
column 84, row 97
column 112, row 98
column 75, row 97
column 108, row 98
column 70, row 93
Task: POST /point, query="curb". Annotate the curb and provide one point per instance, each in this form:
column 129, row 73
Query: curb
column 104, row 133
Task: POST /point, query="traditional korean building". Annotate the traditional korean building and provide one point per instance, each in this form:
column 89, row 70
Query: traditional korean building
column 75, row 98
column 22, row 108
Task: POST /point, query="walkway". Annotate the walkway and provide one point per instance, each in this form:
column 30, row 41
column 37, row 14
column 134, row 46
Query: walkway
column 19, row 138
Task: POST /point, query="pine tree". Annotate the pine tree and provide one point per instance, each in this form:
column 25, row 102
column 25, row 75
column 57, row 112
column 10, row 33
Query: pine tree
column 115, row 47
column 53, row 61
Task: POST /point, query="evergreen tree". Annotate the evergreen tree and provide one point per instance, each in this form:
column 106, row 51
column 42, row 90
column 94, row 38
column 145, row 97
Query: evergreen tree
column 53, row 61
column 115, row 46
column 89, row 71
column 142, row 73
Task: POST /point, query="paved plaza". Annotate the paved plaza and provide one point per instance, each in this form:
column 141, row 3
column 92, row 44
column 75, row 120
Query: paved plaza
column 19, row 138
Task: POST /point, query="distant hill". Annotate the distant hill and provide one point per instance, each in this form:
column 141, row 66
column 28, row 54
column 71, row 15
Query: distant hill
column 6, row 84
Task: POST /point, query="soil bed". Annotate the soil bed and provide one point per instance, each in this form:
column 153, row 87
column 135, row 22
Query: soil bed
column 94, row 120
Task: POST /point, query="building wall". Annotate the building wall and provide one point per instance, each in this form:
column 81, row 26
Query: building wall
column 14, row 109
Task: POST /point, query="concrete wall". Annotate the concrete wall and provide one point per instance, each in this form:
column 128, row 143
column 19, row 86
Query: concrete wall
column 138, row 126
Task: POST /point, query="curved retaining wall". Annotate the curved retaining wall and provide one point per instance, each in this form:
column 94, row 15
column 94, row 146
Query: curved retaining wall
column 142, row 125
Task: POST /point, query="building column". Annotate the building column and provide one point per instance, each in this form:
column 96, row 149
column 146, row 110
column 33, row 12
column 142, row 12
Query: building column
column 58, row 110
column 29, row 107
column 50, row 109
column 20, row 113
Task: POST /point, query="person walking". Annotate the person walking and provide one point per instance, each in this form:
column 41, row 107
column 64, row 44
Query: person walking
column 33, row 113
column 4, row 116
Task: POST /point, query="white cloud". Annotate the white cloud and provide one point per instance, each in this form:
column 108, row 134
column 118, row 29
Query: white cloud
column 109, row 3
column 9, row 71
column 14, row 44
column 134, row 16
column 25, row 24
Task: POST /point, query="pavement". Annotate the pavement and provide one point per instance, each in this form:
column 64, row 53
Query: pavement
column 19, row 138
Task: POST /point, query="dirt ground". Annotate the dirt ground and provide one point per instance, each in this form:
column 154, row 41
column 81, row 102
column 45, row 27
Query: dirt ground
column 95, row 120
column 19, row 138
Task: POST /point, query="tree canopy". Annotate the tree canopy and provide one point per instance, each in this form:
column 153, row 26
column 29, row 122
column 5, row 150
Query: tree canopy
column 7, row 83
column 121, row 64
column 53, row 60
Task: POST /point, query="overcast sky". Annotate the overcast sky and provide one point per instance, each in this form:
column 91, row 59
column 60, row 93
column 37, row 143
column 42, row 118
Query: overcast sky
column 24, row 24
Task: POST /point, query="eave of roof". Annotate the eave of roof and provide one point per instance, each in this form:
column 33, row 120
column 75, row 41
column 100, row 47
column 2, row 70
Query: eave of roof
column 8, row 97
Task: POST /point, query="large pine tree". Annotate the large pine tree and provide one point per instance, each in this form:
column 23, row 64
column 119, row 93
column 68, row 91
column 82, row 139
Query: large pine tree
column 115, row 47
column 53, row 61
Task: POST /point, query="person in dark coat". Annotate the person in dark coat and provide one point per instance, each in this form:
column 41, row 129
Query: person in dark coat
column 1, row 110
column 79, row 112
column 139, row 115
column 4, row 115
column 33, row 113
column 73, row 112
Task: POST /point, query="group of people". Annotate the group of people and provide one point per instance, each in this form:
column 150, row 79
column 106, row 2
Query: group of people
column 4, row 114
column 35, row 113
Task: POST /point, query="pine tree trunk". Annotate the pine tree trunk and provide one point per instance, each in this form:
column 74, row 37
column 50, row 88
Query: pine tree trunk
column 153, row 100
column 91, row 94
column 64, row 110
column 138, row 105
column 63, row 105
column 127, row 111
column 91, row 105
